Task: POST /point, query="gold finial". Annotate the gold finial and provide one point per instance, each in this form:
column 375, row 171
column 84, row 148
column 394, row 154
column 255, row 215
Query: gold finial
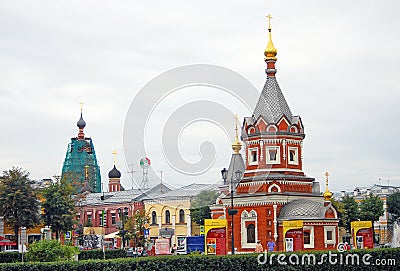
column 81, row 105
column 269, row 21
column 115, row 156
column 270, row 52
column 236, row 145
column 327, row 194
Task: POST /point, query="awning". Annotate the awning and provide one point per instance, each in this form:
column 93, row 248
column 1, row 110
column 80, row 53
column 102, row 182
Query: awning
column 9, row 243
column 112, row 235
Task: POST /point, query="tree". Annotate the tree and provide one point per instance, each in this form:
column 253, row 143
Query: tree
column 339, row 207
column 135, row 227
column 19, row 202
column 371, row 208
column 393, row 205
column 352, row 212
column 200, row 209
column 58, row 207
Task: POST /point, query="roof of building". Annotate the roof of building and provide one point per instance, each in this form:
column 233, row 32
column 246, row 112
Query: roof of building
column 114, row 173
column 236, row 164
column 272, row 104
column 190, row 190
column 81, row 122
column 303, row 209
column 124, row 196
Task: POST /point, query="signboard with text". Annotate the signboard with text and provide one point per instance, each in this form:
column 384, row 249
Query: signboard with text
column 215, row 236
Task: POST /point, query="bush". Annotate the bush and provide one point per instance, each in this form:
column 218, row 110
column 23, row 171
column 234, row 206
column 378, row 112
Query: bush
column 50, row 251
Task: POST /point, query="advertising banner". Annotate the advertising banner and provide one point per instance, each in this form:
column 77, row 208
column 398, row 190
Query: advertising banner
column 363, row 234
column 215, row 236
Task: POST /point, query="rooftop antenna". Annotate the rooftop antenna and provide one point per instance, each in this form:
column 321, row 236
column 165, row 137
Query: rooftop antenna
column 379, row 180
column 161, row 181
column 145, row 164
column 388, row 182
column 131, row 173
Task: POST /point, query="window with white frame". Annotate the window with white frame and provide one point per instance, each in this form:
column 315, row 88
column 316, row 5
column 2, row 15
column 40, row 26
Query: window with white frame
column 273, row 155
column 308, row 236
column 248, row 231
column 329, row 235
column 253, row 156
column 293, row 155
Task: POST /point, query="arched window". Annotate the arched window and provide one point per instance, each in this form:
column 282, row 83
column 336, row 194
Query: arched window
column 251, row 233
column 167, row 217
column 154, row 217
column 181, row 216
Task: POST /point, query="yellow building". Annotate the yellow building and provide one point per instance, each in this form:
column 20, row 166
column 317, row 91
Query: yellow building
column 170, row 213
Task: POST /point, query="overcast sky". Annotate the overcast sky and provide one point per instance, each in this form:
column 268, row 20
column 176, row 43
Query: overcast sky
column 338, row 67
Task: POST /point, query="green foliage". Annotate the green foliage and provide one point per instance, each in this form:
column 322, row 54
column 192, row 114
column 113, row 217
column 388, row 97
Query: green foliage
column 371, row 208
column 393, row 205
column 200, row 209
column 50, row 251
column 134, row 227
column 210, row 263
column 98, row 254
column 18, row 200
column 352, row 211
column 339, row 206
column 58, row 206
column 10, row 257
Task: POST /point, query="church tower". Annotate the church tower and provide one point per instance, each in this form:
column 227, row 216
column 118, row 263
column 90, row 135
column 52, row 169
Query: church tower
column 114, row 177
column 80, row 166
column 274, row 192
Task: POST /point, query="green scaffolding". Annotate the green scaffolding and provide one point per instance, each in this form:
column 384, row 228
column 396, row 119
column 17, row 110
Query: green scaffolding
column 81, row 154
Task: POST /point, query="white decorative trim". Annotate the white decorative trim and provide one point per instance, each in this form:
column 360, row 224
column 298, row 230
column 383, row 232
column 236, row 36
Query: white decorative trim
column 284, row 149
column 275, row 223
column 311, row 228
column 248, row 217
column 261, row 150
column 333, row 229
column 273, row 169
column 272, row 186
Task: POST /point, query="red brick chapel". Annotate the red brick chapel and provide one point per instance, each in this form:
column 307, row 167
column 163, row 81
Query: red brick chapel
column 274, row 198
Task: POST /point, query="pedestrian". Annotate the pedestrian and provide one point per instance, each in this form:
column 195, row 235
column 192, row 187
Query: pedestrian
column 271, row 245
column 259, row 247
column 174, row 248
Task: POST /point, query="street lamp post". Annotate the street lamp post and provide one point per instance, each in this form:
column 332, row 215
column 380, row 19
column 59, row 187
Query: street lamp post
column 232, row 211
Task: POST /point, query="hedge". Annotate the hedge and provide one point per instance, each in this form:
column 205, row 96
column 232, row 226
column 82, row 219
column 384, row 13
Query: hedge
column 10, row 257
column 208, row 263
column 98, row 254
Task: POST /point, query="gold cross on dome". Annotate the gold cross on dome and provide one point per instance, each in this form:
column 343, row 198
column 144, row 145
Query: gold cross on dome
column 269, row 20
column 326, row 175
column 115, row 156
column 81, row 105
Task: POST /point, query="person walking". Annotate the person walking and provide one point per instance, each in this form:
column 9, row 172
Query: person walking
column 174, row 248
column 259, row 247
column 271, row 245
